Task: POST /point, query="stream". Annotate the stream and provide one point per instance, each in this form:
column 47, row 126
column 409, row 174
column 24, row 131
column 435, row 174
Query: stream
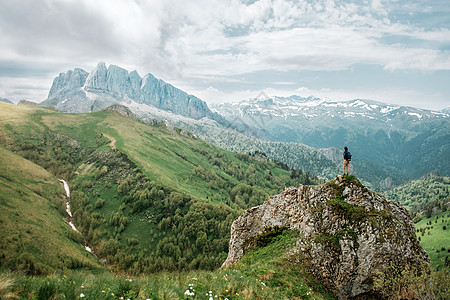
column 69, row 212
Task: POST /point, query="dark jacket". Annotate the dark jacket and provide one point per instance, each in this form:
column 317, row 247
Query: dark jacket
column 347, row 155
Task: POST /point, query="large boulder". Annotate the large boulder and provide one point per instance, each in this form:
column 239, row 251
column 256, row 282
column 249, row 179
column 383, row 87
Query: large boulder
column 360, row 245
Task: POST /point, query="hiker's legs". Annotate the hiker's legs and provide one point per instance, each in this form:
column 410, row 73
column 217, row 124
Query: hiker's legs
column 346, row 166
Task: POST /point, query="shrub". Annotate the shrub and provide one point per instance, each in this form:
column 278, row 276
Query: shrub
column 99, row 203
column 47, row 290
column 75, row 236
column 404, row 282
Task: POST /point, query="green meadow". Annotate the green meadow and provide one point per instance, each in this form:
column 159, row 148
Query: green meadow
column 155, row 200
column 156, row 209
column 434, row 236
column 263, row 273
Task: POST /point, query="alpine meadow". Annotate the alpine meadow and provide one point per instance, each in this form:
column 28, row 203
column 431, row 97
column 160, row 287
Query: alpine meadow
column 150, row 200
column 224, row 150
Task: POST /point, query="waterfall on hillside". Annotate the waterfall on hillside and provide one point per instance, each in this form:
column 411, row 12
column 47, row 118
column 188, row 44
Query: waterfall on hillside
column 69, row 212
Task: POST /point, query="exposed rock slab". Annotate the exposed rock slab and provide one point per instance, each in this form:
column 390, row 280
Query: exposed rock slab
column 352, row 239
column 78, row 91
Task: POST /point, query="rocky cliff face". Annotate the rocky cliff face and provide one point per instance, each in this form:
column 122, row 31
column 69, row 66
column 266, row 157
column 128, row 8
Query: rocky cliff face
column 79, row 91
column 354, row 240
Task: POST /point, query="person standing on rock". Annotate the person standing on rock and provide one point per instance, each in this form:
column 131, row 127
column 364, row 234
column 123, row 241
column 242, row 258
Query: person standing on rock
column 347, row 159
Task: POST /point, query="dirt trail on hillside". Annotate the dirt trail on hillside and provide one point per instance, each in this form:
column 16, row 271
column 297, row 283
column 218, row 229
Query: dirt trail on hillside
column 113, row 140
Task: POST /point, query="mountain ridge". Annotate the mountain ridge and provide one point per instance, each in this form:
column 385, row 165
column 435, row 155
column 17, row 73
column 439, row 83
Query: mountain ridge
column 78, row 91
column 392, row 135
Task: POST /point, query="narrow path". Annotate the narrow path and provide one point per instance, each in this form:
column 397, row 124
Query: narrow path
column 113, row 140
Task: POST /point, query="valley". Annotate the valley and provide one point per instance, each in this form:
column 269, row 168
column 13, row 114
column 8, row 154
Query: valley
column 152, row 193
column 158, row 201
column 405, row 141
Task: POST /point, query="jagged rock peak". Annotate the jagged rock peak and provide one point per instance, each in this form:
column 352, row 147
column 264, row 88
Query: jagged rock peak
column 97, row 78
column 352, row 239
column 79, row 91
column 66, row 82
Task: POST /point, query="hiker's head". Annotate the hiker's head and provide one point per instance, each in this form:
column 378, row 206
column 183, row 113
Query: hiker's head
column 345, row 148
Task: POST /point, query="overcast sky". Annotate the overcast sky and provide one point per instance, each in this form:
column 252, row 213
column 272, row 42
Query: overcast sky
column 227, row 50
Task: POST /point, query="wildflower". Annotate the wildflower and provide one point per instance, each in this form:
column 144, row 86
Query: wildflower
column 103, row 291
column 263, row 283
column 81, row 295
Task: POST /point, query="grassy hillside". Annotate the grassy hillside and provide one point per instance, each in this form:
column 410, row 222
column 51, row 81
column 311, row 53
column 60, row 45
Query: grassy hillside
column 264, row 273
column 35, row 238
column 434, row 236
column 143, row 197
column 423, row 197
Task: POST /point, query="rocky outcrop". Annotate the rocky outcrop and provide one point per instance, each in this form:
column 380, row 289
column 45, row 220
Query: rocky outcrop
column 354, row 240
column 78, row 91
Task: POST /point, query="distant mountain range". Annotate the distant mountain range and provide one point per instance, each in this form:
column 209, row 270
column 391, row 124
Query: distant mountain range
column 152, row 100
column 390, row 143
column 78, row 91
column 415, row 141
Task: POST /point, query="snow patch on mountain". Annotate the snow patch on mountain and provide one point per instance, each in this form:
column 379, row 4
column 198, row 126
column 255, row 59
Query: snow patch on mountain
column 78, row 91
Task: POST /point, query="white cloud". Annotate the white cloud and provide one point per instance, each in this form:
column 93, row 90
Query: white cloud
column 216, row 40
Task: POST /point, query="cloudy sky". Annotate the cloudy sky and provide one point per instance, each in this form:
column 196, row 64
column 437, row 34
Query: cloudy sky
column 394, row 51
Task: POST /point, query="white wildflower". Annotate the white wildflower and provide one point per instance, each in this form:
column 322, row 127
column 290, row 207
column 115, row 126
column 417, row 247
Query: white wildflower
column 81, row 295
